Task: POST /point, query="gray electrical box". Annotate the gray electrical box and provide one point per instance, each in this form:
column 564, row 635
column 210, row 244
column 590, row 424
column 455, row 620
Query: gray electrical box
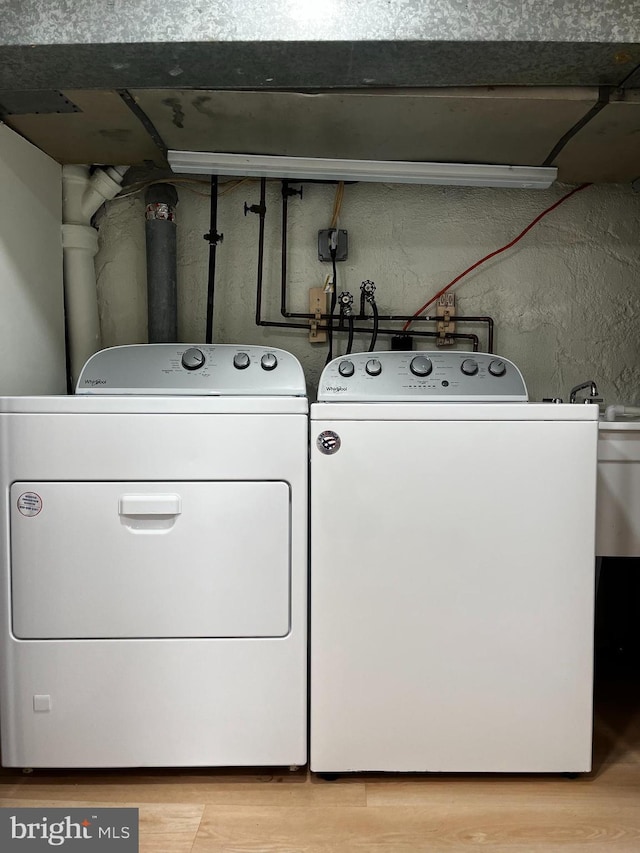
column 324, row 243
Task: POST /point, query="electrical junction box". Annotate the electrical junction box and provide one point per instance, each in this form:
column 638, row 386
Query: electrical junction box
column 402, row 341
column 324, row 244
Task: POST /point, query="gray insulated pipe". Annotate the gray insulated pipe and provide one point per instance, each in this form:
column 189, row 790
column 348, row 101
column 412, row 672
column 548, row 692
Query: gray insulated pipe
column 160, row 229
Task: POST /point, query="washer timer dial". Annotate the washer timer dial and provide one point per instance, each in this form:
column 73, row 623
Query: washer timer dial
column 192, row 359
column 269, row 361
column 469, row 367
column 497, row 368
column 241, row 360
column 421, row 366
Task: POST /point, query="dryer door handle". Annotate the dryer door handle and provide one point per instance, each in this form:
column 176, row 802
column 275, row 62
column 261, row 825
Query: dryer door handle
column 150, row 505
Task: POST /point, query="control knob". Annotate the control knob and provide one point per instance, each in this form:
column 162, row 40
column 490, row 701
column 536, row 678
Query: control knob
column 269, row 361
column 421, row 366
column 469, row 367
column 373, row 367
column 241, row 360
column 192, row 359
column 497, row 368
column 346, row 368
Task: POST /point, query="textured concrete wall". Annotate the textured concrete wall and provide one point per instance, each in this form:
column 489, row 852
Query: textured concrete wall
column 566, row 300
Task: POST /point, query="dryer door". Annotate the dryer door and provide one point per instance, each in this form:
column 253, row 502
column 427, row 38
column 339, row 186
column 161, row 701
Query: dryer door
column 150, row 559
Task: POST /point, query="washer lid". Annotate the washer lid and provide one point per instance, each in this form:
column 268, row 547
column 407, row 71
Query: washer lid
column 192, row 369
column 472, row 412
column 156, row 404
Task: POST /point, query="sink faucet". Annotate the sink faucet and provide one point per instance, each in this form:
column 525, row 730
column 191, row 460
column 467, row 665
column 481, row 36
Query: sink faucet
column 593, row 397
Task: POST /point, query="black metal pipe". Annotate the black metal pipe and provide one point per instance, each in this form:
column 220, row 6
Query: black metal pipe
column 283, row 257
column 298, row 315
column 376, row 320
column 456, row 319
column 455, row 335
column 281, row 325
column 392, row 318
column 262, row 212
column 283, row 249
column 403, row 317
column 213, row 238
column 489, row 322
column 350, row 337
column 467, row 318
column 332, row 307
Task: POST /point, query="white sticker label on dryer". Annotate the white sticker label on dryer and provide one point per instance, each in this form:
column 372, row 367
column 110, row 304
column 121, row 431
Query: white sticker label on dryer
column 29, row 504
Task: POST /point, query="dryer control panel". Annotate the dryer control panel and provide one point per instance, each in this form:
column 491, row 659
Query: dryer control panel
column 193, row 369
column 430, row 377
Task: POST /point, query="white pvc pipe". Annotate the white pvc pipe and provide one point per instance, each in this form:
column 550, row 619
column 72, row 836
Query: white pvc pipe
column 82, row 195
column 80, row 244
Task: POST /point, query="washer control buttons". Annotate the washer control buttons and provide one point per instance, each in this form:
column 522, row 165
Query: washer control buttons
column 241, row 360
column 269, row 361
column 346, row 368
column 192, row 359
column 497, row 368
column 469, row 367
column 421, row 365
column 373, row 367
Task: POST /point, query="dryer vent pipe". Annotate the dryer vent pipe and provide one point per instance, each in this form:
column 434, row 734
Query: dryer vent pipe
column 82, row 194
column 160, row 228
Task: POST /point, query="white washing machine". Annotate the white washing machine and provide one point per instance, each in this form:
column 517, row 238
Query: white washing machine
column 452, row 569
column 154, row 563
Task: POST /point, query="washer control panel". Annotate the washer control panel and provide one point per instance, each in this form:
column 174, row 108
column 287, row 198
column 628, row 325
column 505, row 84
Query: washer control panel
column 430, row 377
column 192, row 369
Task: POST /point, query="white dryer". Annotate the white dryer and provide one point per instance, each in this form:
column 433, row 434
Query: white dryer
column 452, row 569
column 154, row 563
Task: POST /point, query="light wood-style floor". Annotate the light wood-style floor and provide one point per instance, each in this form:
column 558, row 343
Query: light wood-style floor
column 259, row 812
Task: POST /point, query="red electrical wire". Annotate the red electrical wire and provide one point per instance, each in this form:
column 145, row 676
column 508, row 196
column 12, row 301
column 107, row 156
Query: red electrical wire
column 497, row 252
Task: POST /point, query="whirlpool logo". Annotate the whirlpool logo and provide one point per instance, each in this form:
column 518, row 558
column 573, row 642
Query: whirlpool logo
column 72, row 829
column 92, row 383
column 335, row 388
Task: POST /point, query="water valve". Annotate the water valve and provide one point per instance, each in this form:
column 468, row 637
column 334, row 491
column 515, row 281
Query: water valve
column 345, row 301
column 368, row 290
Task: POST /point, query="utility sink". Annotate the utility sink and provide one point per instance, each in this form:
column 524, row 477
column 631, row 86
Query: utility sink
column 618, row 493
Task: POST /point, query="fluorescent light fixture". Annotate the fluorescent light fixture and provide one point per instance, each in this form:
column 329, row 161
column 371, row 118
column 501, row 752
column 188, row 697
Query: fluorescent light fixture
column 391, row 171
